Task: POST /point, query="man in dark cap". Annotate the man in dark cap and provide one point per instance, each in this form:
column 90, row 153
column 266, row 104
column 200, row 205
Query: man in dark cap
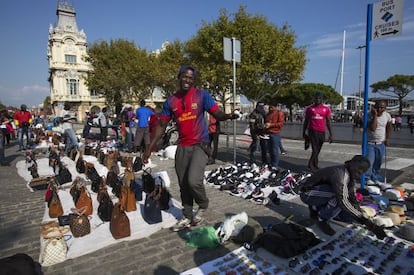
column 187, row 107
column 23, row 119
column 317, row 119
column 330, row 193
column 257, row 129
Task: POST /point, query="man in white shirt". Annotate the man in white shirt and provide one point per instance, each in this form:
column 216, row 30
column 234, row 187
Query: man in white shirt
column 379, row 132
column 101, row 119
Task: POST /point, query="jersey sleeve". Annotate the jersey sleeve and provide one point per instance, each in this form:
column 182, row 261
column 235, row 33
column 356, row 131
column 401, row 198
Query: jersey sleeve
column 166, row 113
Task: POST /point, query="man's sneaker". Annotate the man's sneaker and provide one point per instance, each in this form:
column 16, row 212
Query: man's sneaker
column 284, row 153
column 383, row 185
column 325, row 228
column 181, row 224
column 370, row 182
column 199, row 217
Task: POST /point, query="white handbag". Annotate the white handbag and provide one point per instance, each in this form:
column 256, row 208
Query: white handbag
column 53, row 252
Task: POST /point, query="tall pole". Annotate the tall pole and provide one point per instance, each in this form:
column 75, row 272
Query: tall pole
column 234, row 98
column 342, row 69
column 360, row 77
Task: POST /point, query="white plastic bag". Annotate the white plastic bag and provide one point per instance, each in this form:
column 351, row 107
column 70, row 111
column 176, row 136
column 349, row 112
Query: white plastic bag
column 231, row 226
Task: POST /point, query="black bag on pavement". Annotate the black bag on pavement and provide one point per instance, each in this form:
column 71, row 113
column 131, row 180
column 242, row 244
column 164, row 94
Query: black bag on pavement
column 148, row 182
column 151, row 211
column 286, row 240
column 137, row 164
column 64, row 175
column 137, row 188
column 105, row 208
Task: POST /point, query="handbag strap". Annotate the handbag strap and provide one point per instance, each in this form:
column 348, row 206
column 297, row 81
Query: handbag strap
column 79, row 211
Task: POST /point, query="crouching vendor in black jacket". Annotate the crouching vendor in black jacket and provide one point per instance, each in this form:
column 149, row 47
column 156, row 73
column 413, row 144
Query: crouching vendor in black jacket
column 330, row 193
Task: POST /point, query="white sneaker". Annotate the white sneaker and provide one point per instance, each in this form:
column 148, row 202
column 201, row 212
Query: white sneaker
column 199, row 217
column 370, row 182
column 181, row 224
column 383, row 185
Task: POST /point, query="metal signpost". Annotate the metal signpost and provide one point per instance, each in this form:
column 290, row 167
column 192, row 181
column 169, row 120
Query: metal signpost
column 232, row 52
column 384, row 19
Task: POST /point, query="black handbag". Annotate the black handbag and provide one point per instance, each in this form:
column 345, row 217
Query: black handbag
column 80, row 165
column 151, row 211
column 137, row 188
column 148, row 182
column 64, row 175
column 65, row 219
column 105, row 208
column 137, row 164
column 93, row 175
column 115, row 182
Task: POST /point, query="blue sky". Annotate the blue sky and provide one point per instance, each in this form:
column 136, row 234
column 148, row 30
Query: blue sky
column 318, row 24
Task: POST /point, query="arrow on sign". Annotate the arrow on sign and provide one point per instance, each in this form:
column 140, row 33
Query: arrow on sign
column 393, row 32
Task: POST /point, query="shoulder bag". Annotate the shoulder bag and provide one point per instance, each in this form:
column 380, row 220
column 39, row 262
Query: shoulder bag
column 85, row 200
column 79, row 224
column 55, row 206
column 119, row 224
column 151, row 212
column 64, row 175
column 54, row 251
column 105, row 207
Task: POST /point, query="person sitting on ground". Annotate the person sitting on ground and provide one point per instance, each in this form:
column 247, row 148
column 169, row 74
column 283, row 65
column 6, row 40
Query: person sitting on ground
column 329, row 193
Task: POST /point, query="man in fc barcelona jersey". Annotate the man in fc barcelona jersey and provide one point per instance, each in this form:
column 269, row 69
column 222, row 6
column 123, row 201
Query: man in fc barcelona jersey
column 187, row 107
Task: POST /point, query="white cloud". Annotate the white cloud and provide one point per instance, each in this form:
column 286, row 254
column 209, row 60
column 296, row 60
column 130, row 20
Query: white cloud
column 30, row 95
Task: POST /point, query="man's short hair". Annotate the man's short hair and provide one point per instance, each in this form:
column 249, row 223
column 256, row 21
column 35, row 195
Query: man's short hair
column 184, row 68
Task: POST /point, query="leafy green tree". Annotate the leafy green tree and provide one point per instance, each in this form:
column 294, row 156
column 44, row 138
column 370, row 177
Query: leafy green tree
column 47, row 106
column 121, row 71
column 302, row 94
column 397, row 86
column 269, row 58
column 166, row 65
column 2, row 106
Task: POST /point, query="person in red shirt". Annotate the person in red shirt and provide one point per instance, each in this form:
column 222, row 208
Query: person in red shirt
column 187, row 107
column 317, row 119
column 22, row 120
column 214, row 133
column 274, row 121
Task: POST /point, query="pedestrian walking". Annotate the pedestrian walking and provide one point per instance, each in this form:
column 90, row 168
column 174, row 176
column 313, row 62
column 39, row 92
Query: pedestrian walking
column 317, row 120
column 187, row 107
column 274, row 121
column 23, row 119
column 102, row 122
column 379, row 133
column 214, row 134
column 257, row 131
column 142, row 133
column 67, row 119
column 398, row 122
column 4, row 120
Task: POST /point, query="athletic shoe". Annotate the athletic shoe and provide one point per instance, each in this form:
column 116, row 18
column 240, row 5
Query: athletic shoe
column 383, row 185
column 284, row 153
column 325, row 228
column 181, row 224
column 199, row 217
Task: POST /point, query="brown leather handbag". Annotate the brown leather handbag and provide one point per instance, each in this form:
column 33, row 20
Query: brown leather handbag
column 55, row 206
column 80, row 225
column 127, row 199
column 85, row 200
column 119, row 224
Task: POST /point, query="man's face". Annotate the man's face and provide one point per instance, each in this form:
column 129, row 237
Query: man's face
column 380, row 107
column 318, row 100
column 357, row 169
column 186, row 80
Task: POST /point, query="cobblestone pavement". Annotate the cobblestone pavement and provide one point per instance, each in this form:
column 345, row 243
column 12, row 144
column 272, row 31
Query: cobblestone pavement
column 164, row 252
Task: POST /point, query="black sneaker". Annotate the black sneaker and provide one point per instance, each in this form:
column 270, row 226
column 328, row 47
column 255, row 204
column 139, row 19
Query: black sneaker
column 326, row 228
column 313, row 214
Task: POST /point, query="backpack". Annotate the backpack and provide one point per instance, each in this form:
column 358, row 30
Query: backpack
column 285, row 240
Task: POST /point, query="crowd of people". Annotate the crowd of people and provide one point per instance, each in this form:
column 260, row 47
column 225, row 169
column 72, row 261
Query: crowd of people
column 140, row 130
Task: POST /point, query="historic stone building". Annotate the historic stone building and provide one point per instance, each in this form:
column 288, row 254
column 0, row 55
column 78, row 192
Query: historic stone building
column 67, row 66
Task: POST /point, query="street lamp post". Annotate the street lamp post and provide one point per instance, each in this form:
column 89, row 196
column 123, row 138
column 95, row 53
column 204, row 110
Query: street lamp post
column 360, row 76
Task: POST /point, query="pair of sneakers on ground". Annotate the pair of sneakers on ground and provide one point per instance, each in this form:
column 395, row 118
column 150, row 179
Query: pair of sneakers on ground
column 381, row 185
column 185, row 222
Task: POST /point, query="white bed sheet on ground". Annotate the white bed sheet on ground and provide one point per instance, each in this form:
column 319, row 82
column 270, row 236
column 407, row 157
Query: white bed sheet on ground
column 100, row 235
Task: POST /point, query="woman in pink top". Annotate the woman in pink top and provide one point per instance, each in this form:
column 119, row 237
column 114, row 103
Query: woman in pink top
column 317, row 119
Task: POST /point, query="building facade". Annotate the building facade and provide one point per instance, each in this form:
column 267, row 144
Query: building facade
column 67, row 66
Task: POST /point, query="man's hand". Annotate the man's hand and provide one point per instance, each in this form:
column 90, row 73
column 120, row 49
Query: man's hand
column 379, row 232
column 386, row 142
column 146, row 156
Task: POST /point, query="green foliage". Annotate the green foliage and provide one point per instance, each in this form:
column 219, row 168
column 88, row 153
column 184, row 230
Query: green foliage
column 396, row 86
column 2, row 106
column 269, row 58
